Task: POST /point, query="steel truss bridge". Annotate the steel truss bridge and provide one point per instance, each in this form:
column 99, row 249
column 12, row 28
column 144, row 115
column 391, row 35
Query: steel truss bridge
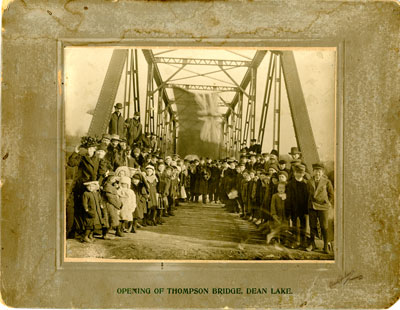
column 239, row 125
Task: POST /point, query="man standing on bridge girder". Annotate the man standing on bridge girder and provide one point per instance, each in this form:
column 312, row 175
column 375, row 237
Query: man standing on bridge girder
column 133, row 129
column 116, row 126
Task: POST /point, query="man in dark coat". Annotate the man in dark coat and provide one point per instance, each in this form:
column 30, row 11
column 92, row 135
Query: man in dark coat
column 133, row 129
column 117, row 123
column 297, row 200
column 254, row 147
column 230, row 184
column 88, row 165
column 203, row 175
column 213, row 183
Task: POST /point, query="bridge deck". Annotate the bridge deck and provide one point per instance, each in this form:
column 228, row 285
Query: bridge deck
column 196, row 232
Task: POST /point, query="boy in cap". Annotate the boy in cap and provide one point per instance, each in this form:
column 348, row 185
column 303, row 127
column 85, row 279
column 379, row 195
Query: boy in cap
column 245, row 195
column 282, row 165
column 152, row 203
column 105, row 141
column 116, row 125
column 283, row 176
column 140, row 188
column 278, row 212
column 174, row 190
column 163, row 189
column 91, row 203
column 320, row 201
column 297, row 204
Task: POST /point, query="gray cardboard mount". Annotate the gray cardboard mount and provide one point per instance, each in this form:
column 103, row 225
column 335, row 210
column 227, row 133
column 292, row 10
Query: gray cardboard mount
column 365, row 273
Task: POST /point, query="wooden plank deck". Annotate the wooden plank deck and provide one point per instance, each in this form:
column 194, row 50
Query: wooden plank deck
column 196, row 232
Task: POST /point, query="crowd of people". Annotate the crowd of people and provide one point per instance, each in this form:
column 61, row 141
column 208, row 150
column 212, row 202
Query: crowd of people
column 125, row 183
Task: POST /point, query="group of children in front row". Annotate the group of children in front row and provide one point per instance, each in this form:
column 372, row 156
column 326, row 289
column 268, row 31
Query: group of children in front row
column 128, row 199
column 281, row 202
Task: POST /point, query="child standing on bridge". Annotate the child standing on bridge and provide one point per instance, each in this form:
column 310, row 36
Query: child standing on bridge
column 93, row 217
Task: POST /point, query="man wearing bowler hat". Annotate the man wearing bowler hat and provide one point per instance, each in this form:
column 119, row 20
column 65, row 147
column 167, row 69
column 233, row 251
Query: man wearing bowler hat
column 116, row 126
column 133, row 129
column 295, row 153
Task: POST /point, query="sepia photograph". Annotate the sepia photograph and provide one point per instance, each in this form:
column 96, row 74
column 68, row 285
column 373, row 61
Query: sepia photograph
column 199, row 154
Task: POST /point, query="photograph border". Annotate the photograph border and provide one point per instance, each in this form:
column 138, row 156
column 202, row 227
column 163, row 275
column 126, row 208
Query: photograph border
column 155, row 265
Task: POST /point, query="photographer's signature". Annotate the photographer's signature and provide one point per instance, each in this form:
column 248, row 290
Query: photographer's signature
column 350, row 276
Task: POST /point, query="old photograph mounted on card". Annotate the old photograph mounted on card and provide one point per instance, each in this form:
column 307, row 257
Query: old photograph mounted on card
column 199, row 154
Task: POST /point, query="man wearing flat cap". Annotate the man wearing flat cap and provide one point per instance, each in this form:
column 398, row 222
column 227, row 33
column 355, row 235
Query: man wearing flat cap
column 133, row 129
column 116, row 125
column 320, row 201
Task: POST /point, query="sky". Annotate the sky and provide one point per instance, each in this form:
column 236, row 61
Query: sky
column 85, row 69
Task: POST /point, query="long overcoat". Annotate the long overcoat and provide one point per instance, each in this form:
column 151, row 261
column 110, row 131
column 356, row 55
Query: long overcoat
column 202, row 177
column 133, row 131
column 94, row 217
column 113, row 205
column 117, row 125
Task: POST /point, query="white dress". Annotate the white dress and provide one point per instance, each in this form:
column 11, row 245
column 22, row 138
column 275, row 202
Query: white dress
column 128, row 199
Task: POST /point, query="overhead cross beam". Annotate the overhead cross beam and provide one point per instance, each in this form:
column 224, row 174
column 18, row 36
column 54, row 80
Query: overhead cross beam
column 204, row 87
column 258, row 57
column 209, row 62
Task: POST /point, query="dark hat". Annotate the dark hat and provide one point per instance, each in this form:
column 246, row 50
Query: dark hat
column 300, row 168
column 294, row 150
column 137, row 113
column 91, row 183
column 264, row 154
column 274, row 175
column 275, row 152
column 122, row 140
column 102, row 147
column 273, row 166
column 115, row 137
column 318, row 166
column 106, row 136
column 282, row 161
column 283, row 172
column 88, row 141
column 253, row 140
column 136, row 176
column 295, row 162
column 118, row 105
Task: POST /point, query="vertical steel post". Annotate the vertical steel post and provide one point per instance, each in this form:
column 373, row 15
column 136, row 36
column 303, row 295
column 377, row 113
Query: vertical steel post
column 298, row 109
column 253, row 87
column 277, row 105
column 135, row 70
column 149, row 97
column 267, row 96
